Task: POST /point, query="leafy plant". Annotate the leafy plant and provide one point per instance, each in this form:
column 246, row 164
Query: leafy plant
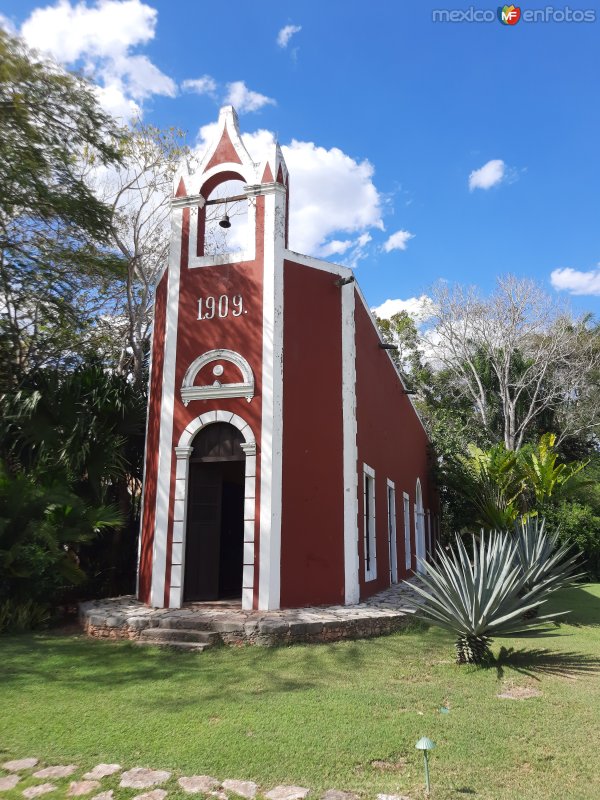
column 542, row 476
column 578, row 525
column 41, row 530
column 490, row 482
column 500, row 485
column 478, row 599
column 22, row 616
column 543, row 558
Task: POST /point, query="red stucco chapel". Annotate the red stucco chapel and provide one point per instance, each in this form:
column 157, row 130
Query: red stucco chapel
column 285, row 464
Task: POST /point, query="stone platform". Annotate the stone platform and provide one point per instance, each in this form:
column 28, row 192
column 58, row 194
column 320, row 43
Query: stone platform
column 201, row 625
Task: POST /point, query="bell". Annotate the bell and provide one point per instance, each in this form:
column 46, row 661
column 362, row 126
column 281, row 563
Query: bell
column 224, row 223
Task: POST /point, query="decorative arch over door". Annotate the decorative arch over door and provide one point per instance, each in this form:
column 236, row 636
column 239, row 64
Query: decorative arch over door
column 217, row 390
column 183, row 452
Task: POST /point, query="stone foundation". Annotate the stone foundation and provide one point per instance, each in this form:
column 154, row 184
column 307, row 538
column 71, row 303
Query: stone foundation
column 126, row 618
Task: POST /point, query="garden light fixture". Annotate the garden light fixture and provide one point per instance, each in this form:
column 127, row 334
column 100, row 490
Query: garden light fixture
column 425, row 745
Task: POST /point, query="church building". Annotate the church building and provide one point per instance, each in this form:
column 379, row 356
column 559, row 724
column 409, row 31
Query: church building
column 285, row 464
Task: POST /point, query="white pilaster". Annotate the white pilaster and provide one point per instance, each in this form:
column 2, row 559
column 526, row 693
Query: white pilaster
column 350, row 458
column 165, row 450
column 272, row 398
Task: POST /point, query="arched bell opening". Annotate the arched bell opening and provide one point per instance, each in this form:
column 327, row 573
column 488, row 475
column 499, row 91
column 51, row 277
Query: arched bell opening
column 214, row 553
column 223, row 223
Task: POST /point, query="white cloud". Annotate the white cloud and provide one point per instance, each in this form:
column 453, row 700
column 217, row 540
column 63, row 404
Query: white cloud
column 100, row 38
column 245, row 99
column 336, row 247
column 285, row 34
column 331, row 194
column 7, row 25
column 492, row 173
column 419, row 308
column 576, row 281
column 398, row 241
column 203, row 85
column 114, row 100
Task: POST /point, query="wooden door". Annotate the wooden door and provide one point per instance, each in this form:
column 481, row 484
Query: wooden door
column 205, row 486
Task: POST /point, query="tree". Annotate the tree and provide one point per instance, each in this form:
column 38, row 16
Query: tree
column 55, row 258
column 518, row 357
column 138, row 191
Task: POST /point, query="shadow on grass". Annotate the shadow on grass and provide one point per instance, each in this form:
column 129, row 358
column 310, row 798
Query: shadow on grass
column 73, row 661
column 583, row 602
column 536, row 662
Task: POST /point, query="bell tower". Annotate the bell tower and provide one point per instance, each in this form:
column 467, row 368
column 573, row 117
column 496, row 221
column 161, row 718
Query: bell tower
column 217, row 361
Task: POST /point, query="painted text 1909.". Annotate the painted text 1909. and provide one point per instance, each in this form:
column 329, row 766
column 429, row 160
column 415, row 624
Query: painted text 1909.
column 220, row 307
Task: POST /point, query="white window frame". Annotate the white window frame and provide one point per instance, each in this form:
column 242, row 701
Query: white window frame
column 428, row 540
column 392, row 540
column 407, row 547
column 420, row 543
column 369, row 529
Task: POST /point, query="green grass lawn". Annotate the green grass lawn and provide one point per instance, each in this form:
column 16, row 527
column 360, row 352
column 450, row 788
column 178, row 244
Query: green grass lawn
column 321, row 715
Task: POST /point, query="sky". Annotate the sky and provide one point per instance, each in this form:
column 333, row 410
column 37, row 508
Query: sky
column 419, row 149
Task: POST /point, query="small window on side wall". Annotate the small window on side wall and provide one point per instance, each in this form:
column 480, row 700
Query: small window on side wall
column 407, row 551
column 370, row 553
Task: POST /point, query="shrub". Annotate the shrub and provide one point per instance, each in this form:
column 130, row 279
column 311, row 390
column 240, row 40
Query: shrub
column 478, row 599
column 576, row 524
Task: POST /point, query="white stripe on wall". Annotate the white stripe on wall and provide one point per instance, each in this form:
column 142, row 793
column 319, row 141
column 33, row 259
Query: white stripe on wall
column 165, row 449
column 350, row 458
column 271, row 445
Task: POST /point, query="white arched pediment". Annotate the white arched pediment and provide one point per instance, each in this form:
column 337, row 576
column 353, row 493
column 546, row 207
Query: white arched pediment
column 217, row 389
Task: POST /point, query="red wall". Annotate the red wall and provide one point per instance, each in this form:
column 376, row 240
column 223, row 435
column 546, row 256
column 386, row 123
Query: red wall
column 152, row 438
column 312, row 529
column 242, row 334
column 392, row 441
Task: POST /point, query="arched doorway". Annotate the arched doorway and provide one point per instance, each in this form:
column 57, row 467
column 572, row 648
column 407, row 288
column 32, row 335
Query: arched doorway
column 215, row 514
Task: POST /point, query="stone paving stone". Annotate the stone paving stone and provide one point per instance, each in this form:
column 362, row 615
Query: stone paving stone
column 287, row 793
column 78, row 788
column 36, row 791
column 59, row 771
column 102, row 771
column 104, row 795
column 247, row 789
column 8, row 782
column 19, row 764
column 219, row 795
column 392, row 797
column 336, row 794
column 142, row 778
column 155, row 794
column 199, row 784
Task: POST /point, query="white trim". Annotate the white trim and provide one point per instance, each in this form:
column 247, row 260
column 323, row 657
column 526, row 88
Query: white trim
column 350, row 455
column 420, row 548
column 428, row 529
column 245, row 388
column 183, row 452
column 407, row 545
column 369, row 524
column 391, row 360
column 317, row 263
column 165, row 455
column 392, row 539
column 272, row 402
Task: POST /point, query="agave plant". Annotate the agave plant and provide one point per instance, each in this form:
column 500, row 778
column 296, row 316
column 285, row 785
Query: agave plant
column 543, row 559
column 479, row 598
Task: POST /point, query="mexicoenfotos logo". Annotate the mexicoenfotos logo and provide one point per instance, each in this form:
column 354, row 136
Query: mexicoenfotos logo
column 509, row 15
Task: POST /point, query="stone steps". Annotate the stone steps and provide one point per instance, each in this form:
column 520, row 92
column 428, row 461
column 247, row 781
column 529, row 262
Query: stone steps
column 179, row 639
